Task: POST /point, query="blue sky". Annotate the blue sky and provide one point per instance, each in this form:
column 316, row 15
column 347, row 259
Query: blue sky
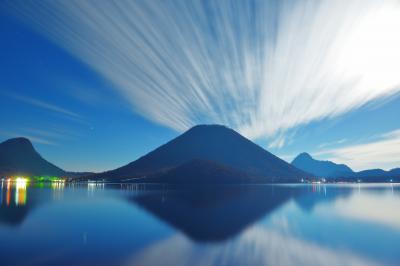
column 95, row 86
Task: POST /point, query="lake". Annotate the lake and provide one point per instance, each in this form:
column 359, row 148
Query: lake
column 126, row 224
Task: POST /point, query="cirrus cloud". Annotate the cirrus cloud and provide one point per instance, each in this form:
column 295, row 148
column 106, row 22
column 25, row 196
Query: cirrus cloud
column 260, row 67
column 383, row 152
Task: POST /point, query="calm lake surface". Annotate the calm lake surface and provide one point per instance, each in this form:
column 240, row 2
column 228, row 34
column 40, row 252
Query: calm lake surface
column 227, row 225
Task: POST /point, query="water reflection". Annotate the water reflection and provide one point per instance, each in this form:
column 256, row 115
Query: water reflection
column 224, row 225
column 278, row 225
column 14, row 189
column 215, row 213
column 58, row 190
column 371, row 207
column 255, row 246
column 20, row 191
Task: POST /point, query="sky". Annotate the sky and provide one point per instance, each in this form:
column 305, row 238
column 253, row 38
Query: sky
column 97, row 84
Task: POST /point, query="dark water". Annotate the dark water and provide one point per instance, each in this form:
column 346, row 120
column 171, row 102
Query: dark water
column 234, row 225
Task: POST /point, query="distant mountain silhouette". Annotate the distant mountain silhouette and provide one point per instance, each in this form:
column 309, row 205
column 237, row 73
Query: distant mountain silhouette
column 19, row 157
column 382, row 175
column 305, row 162
column 337, row 171
column 212, row 143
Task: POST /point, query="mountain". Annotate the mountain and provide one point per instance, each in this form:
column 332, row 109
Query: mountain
column 198, row 172
column 395, row 172
column 19, row 157
column 378, row 173
column 320, row 168
column 212, row 143
column 370, row 173
column 338, row 171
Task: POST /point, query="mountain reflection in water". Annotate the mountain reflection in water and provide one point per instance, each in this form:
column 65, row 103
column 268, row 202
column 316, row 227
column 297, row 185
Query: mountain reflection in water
column 214, row 213
column 103, row 224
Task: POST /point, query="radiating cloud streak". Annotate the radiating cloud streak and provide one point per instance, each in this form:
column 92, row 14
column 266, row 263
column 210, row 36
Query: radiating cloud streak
column 278, row 142
column 261, row 67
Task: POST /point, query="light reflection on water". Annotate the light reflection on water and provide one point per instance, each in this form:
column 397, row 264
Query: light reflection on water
column 13, row 190
column 20, row 192
column 136, row 224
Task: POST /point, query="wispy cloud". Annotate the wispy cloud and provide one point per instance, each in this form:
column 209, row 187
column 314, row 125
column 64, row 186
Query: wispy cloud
column 51, row 133
column 327, row 144
column 47, row 136
column 278, row 142
column 31, row 137
column 287, row 157
column 259, row 67
column 44, row 105
column 381, row 153
column 66, row 113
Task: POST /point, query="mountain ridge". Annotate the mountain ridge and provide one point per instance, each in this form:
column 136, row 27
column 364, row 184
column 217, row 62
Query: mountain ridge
column 18, row 156
column 319, row 168
column 304, row 161
column 216, row 143
column 196, row 172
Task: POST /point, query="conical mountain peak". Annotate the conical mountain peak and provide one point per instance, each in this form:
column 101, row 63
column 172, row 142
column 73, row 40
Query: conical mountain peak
column 213, row 143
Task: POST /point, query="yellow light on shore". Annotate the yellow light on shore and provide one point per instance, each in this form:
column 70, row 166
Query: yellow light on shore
column 21, row 182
